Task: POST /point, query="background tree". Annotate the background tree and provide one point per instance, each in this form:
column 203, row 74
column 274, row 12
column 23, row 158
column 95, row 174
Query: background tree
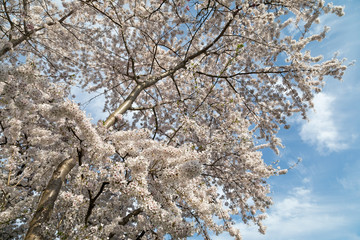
column 195, row 90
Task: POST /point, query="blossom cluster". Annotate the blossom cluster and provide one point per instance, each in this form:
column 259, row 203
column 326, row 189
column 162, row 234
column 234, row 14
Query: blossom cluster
column 195, row 91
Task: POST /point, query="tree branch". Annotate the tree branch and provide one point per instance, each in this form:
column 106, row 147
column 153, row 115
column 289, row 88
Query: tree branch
column 126, row 219
column 140, row 235
column 48, row 198
column 125, row 105
column 240, row 73
column 92, row 201
column 14, row 42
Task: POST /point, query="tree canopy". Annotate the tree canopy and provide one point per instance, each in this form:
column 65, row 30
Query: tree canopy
column 194, row 91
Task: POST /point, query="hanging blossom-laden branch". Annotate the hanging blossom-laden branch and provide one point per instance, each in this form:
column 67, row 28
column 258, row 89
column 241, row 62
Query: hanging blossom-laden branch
column 19, row 26
column 195, row 89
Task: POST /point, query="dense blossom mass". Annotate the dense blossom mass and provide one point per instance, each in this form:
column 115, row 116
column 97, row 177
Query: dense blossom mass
column 194, row 90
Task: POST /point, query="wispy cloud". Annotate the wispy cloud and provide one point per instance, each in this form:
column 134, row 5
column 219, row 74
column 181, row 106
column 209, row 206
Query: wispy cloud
column 350, row 180
column 322, row 130
column 302, row 215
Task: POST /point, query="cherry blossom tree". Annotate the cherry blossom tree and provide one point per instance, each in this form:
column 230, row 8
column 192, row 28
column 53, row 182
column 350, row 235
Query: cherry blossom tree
column 194, row 90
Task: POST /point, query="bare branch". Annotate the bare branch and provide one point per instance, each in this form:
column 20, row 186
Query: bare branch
column 127, row 218
column 92, row 201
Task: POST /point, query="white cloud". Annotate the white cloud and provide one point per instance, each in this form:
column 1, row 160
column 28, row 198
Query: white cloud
column 301, row 215
column 298, row 216
column 322, row 128
column 350, row 183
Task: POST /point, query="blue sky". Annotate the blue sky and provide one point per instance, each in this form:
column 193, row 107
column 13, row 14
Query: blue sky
column 319, row 198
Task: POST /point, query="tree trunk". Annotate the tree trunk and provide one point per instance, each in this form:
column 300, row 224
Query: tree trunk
column 48, row 198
